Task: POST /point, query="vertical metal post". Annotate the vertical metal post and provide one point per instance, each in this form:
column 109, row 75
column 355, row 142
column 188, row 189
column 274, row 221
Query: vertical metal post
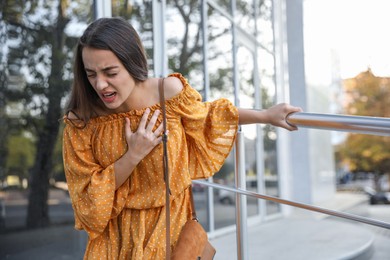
column 241, row 205
column 241, row 209
column 160, row 60
column 259, row 130
column 102, row 8
column 234, row 53
column 204, row 18
column 282, row 95
column 210, row 191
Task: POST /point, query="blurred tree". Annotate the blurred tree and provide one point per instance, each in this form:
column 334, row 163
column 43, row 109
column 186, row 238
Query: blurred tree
column 21, row 154
column 39, row 62
column 367, row 95
column 139, row 14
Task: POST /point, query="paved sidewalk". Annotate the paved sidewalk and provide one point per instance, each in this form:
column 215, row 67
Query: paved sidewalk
column 299, row 237
column 316, row 236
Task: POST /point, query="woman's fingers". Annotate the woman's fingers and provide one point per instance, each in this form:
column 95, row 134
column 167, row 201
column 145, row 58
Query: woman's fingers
column 128, row 127
column 159, row 130
column 279, row 113
column 152, row 121
column 144, row 119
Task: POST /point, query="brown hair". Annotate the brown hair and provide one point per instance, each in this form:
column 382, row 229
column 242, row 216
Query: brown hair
column 118, row 36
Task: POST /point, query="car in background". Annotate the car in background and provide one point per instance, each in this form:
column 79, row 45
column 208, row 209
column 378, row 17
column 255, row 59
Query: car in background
column 228, row 197
column 377, row 197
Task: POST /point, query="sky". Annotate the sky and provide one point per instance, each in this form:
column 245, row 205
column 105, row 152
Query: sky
column 346, row 37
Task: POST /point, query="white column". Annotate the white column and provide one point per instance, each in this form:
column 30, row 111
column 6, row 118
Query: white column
column 300, row 149
column 293, row 148
column 102, row 8
column 282, row 95
column 160, row 60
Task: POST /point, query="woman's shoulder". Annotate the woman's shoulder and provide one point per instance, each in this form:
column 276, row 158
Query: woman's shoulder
column 173, row 86
column 72, row 115
column 73, row 120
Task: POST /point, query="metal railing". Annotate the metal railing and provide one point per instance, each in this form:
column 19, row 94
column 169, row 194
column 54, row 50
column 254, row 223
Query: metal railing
column 359, row 124
column 335, row 213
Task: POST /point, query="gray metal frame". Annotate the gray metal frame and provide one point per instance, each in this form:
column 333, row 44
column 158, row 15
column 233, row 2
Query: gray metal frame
column 358, row 124
column 370, row 125
column 335, row 213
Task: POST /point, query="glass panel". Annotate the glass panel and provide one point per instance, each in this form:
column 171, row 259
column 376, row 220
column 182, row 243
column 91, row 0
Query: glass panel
column 266, row 67
column 221, row 85
column 264, row 24
column 224, row 205
column 224, row 4
column 271, row 171
column 245, row 63
column 36, row 61
column 184, row 41
column 245, row 17
column 139, row 14
column 220, row 59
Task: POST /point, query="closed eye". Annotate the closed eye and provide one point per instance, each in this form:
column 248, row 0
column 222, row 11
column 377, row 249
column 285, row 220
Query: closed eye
column 111, row 75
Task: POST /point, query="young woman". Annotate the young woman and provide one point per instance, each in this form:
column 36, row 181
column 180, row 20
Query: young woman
column 111, row 144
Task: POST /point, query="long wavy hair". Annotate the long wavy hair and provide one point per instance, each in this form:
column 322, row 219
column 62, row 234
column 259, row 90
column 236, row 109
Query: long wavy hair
column 118, row 36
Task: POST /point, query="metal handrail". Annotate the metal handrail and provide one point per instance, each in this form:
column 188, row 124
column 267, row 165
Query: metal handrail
column 359, row 124
column 349, row 216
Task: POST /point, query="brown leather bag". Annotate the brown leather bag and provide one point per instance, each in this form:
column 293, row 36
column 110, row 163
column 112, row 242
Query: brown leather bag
column 193, row 243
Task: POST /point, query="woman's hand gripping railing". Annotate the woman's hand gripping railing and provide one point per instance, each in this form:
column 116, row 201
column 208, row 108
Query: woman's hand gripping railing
column 360, row 124
column 365, row 220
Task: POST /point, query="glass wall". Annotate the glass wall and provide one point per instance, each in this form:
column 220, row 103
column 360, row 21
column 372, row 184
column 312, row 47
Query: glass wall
column 38, row 40
column 249, row 73
column 139, row 14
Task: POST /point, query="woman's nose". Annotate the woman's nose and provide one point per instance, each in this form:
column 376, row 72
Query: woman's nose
column 101, row 83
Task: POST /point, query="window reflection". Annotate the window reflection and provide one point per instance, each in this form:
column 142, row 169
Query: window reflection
column 36, row 69
column 220, row 59
column 225, row 5
column 139, row 14
column 245, row 15
column 245, row 63
column 184, row 41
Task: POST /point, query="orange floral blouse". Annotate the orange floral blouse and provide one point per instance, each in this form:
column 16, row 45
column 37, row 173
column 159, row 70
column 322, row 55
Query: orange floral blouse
column 129, row 223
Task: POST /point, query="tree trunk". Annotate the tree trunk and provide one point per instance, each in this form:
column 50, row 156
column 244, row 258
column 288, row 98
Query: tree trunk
column 38, row 211
column 3, row 116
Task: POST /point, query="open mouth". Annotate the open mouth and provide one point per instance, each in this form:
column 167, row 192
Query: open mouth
column 108, row 97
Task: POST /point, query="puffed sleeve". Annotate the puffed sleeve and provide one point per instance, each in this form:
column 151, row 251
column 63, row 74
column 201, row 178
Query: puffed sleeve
column 210, row 129
column 91, row 187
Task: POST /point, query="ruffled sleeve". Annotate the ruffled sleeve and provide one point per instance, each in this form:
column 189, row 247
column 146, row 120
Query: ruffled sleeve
column 91, row 186
column 210, row 129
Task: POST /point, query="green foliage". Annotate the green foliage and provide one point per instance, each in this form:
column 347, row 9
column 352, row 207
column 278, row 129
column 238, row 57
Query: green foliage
column 369, row 96
column 58, row 167
column 39, row 57
column 21, row 151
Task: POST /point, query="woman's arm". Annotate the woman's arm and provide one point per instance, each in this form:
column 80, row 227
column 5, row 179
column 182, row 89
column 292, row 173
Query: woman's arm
column 275, row 115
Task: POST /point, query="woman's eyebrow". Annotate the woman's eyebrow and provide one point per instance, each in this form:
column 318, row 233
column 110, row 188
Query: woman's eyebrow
column 104, row 69
column 110, row 68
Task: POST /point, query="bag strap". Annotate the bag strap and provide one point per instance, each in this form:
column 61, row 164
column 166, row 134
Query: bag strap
column 193, row 211
column 166, row 172
column 166, row 175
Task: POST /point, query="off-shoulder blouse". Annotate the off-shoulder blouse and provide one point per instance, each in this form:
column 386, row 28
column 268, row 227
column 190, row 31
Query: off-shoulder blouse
column 201, row 135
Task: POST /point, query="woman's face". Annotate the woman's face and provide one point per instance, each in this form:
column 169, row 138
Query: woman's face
column 110, row 79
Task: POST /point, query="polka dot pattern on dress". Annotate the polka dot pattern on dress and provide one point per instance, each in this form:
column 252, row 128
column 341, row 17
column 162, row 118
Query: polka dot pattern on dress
column 129, row 223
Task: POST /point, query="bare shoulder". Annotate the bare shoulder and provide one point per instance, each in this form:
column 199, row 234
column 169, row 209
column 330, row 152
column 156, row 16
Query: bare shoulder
column 72, row 115
column 172, row 87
